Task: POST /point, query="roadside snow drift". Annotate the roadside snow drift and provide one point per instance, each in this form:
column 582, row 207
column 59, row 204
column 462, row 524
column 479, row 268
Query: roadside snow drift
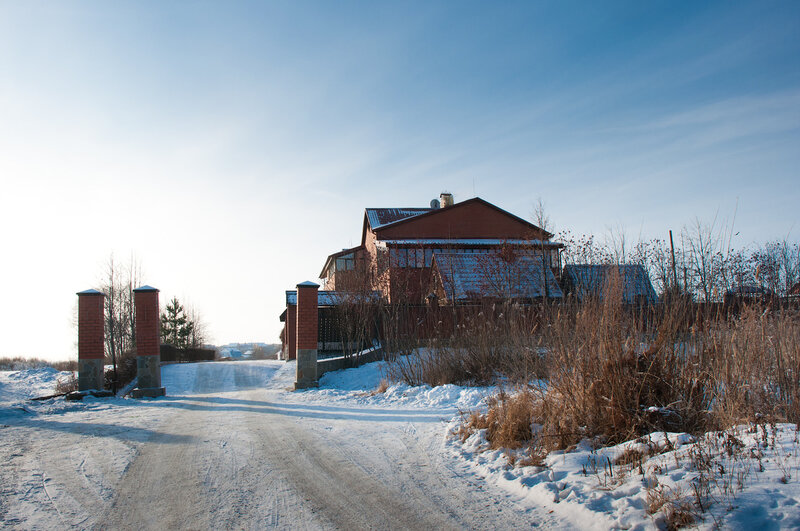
column 227, row 429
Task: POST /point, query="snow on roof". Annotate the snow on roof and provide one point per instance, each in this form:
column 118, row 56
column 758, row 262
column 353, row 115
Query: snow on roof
column 327, row 298
column 146, row 288
column 749, row 290
column 379, row 217
column 470, row 276
column 90, row 292
column 591, row 279
column 469, row 241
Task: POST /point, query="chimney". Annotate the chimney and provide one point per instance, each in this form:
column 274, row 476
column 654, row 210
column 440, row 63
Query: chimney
column 446, row 199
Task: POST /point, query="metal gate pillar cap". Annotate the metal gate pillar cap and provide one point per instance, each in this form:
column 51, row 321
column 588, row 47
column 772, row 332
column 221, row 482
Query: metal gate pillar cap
column 145, row 288
column 90, row 292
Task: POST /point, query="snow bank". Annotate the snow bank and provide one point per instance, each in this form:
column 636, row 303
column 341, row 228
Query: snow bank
column 754, row 486
column 29, row 383
column 361, row 385
column 747, row 478
column 180, row 380
column 751, row 483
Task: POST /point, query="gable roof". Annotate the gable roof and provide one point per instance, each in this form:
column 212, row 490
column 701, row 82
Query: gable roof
column 467, row 276
column 378, row 219
column 334, row 256
column 591, row 279
column 477, row 242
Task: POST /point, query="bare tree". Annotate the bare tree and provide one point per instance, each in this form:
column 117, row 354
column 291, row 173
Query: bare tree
column 777, row 265
column 658, row 263
column 790, row 261
column 118, row 282
column 543, row 222
column 199, row 335
column 703, row 241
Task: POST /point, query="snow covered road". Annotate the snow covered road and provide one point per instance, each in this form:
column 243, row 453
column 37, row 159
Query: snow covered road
column 231, row 448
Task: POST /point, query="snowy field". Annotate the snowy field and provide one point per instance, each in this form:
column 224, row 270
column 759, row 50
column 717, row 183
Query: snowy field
column 231, row 446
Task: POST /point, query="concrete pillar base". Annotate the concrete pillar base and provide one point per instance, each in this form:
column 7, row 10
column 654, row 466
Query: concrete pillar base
column 149, row 392
column 148, row 372
column 91, row 374
column 306, row 375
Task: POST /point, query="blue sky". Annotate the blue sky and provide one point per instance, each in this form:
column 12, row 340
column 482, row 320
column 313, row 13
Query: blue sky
column 193, row 133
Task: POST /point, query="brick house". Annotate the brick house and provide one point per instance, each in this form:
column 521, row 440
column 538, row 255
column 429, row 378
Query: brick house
column 402, row 247
column 448, row 254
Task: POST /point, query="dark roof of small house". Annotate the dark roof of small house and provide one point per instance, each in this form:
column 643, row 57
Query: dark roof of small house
column 591, row 279
column 748, row 290
column 328, row 298
column 480, row 275
column 380, row 217
column 794, row 290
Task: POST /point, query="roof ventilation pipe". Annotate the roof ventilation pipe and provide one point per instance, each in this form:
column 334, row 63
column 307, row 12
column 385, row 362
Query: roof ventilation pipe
column 446, row 199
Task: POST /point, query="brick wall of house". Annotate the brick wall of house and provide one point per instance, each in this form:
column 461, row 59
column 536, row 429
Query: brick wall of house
column 413, row 283
column 464, row 220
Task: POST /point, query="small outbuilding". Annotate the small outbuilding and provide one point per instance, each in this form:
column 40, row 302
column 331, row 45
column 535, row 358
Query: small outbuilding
column 590, row 280
column 468, row 277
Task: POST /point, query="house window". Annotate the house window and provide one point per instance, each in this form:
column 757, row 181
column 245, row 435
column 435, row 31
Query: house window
column 398, row 257
column 345, row 263
column 415, row 258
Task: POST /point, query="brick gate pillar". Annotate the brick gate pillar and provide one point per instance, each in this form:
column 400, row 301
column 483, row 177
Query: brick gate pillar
column 148, row 343
column 291, row 331
column 91, row 340
column 306, row 335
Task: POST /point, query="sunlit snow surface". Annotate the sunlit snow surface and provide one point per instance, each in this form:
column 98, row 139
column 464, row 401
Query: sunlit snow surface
column 578, row 487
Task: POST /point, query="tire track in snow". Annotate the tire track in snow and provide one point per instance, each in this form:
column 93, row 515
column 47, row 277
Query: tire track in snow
column 234, row 452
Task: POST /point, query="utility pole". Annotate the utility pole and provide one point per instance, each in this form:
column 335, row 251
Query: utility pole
column 674, row 270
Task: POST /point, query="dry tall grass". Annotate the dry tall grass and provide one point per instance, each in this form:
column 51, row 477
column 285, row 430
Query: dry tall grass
column 614, row 372
column 497, row 342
